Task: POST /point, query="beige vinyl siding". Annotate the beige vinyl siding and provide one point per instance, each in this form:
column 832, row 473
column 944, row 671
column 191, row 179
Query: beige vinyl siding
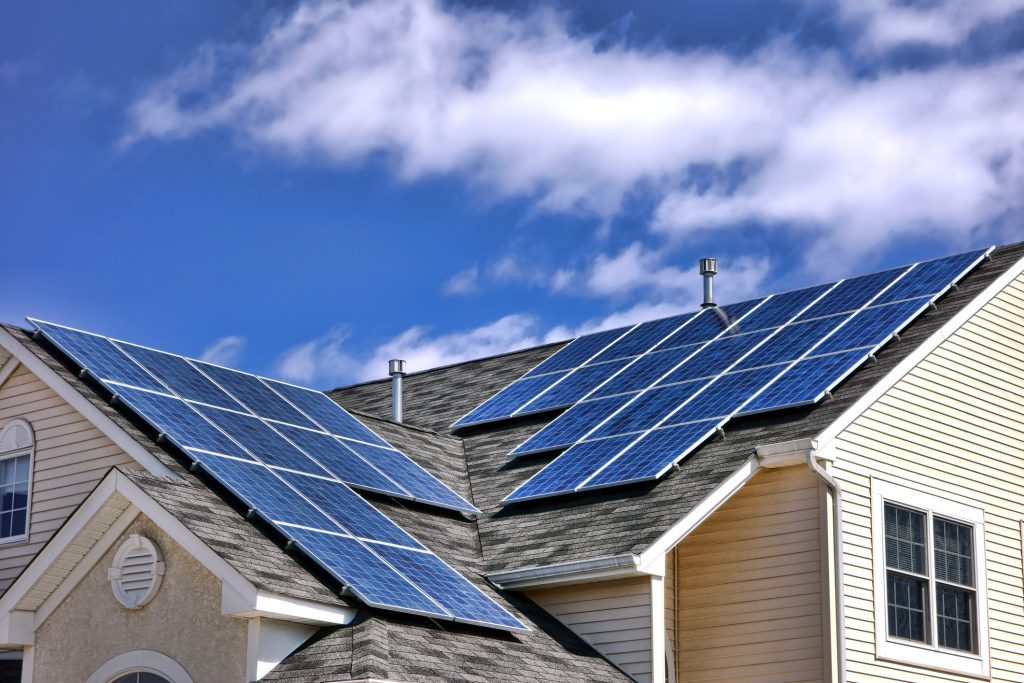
column 953, row 428
column 613, row 616
column 749, row 585
column 71, row 456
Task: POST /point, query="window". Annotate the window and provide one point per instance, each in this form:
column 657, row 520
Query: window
column 16, row 442
column 930, row 587
column 140, row 677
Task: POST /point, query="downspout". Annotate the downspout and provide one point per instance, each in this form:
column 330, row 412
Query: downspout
column 837, row 533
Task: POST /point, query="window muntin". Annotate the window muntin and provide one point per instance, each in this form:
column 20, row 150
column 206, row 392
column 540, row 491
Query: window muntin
column 916, row 579
column 140, row 677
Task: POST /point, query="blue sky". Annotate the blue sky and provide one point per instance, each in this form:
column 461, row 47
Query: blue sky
column 307, row 189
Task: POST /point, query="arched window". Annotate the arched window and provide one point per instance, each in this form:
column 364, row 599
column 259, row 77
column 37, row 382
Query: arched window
column 16, row 444
column 140, row 677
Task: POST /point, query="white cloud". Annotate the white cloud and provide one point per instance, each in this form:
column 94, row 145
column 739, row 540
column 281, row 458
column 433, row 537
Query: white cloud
column 325, row 360
column 463, row 282
column 887, row 24
column 224, row 351
column 524, row 107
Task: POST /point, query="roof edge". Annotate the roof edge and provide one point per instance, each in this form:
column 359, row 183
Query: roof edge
column 579, row 571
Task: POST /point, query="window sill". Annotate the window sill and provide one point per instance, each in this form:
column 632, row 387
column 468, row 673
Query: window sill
column 975, row 666
column 13, row 541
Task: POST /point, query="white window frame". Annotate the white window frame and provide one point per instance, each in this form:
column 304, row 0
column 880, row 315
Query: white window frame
column 17, row 452
column 140, row 660
column 928, row 655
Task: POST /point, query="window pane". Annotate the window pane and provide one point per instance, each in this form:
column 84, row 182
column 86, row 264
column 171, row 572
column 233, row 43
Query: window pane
column 955, row 611
column 904, row 539
column 905, row 597
column 18, row 520
column 954, row 550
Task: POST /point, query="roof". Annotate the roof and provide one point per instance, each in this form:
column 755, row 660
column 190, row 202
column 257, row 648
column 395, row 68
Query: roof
column 615, row 521
column 381, row 644
column 628, row 519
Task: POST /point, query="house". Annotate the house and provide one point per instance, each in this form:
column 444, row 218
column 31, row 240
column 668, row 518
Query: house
column 871, row 534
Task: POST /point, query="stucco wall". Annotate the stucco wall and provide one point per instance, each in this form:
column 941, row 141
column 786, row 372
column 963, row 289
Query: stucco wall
column 183, row 622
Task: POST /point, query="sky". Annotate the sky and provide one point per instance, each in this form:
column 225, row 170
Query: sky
column 307, row 189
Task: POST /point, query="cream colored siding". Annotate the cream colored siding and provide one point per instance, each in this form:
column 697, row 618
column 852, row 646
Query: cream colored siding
column 613, row 616
column 71, row 456
column 749, row 585
column 953, row 428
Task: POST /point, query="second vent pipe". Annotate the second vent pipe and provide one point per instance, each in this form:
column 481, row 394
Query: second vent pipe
column 396, row 368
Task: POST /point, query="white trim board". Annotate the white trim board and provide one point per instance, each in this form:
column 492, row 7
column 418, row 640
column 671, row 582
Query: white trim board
column 826, row 437
column 101, row 421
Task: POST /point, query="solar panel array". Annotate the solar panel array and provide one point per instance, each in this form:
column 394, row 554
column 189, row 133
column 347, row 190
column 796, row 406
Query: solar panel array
column 289, row 454
column 641, row 399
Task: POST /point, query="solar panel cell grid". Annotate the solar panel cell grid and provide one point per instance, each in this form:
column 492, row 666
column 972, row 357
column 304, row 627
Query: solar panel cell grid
column 255, row 395
column 643, row 337
column 725, row 395
column 572, row 425
column 510, row 399
column 645, row 370
column 413, row 478
column 100, row 356
column 339, row 502
column 179, row 421
column 654, row 454
column 779, row 309
column 572, row 468
column 650, row 408
column 574, row 387
column 716, row 357
column 872, row 326
column 325, row 412
column 341, row 461
column 577, row 352
column 709, row 324
column 260, row 440
column 459, row 597
column 373, row 580
column 792, row 341
column 805, row 382
column 930, row 278
column 178, row 374
column 851, row 294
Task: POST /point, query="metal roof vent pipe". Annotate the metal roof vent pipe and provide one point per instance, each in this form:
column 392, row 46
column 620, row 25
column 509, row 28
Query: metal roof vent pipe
column 396, row 368
column 708, row 268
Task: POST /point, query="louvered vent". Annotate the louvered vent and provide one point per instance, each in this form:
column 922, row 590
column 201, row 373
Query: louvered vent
column 137, row 571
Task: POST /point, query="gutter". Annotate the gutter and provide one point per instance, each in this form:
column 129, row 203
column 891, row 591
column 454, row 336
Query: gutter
column 805, row 451
column 581, row 571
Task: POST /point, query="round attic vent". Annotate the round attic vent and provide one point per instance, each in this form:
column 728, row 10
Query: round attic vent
column 136, row 573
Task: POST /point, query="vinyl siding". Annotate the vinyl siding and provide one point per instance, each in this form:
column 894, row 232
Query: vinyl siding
column 954, row 428
column 748, row 585
column 613, row 616
column 71, row 456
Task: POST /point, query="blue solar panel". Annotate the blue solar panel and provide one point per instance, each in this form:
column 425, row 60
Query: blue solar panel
column 645, row 370
column 574, row 387
column 179, row 421
column 183, row 379
column 654, row 454
column 410, row 476
column 511, row 398
column 99, row 355
column 263, row 491
column 650, row 408
column 459, row 597
column 716, row 357
column 792, row 341
column 341, row 461
column 642, row 338
column 325, row 412
column 260, row 440
column 709, row 323
column 569, row 470
column 806, row 381
column 851, row 294
column 256, row 395
column 872, row 326
column 931, row 277
column 725, row 395
column 374, row 581
column 577, row 352
column 779, row 309
column 572, row 425
column 358, row 517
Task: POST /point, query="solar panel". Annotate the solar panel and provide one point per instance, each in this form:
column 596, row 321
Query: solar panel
column 573, row 387
column 578, row 352
column 506, row 402
column 642, row 338
column 291, row 475
column 782, row 351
